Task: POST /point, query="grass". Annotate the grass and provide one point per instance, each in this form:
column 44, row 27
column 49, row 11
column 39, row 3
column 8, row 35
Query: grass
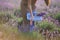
column 12, row 33
column 8, row 32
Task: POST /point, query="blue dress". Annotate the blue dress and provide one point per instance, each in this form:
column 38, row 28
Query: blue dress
column 36, row 18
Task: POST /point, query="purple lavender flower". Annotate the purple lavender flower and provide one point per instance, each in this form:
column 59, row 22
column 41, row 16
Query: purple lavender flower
column 6, row 4
column 41, row 14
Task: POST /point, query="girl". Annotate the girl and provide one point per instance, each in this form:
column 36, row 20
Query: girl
column 30, row 5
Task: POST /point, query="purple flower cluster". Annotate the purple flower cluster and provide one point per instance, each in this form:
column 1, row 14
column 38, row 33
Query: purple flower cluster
column 41, row 14
column 6, row 4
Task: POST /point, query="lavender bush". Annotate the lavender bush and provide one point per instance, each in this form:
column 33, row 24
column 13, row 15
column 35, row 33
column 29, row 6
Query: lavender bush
column 47, row 25
column 57, row 16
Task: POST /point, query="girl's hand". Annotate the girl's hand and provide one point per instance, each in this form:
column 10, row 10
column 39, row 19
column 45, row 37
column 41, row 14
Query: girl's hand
column 32, row 17
column 31, row 20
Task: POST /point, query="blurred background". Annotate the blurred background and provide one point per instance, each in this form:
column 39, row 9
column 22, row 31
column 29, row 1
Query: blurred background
column 10, row 19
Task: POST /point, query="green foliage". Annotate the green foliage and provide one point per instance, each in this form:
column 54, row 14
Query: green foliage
column 17, row 13
column 4, row 17
column 57, row 16
column 47, row 25
column 32, row 35
column 58, row 30
column 37, row 36
column 20, row 19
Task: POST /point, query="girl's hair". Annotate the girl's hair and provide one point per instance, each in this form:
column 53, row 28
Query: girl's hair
column 33, row 4
column 47, row 2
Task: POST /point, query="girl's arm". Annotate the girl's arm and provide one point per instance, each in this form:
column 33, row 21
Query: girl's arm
column 30, row 7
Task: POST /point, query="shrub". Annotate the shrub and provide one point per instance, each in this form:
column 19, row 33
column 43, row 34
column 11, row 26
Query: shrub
column 17, row 12
column 4, row 17
column 20, row 19
column 47, row 25
column 58, row 30
column 57, row 16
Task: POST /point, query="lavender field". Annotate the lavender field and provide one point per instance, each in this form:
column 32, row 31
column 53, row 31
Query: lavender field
column 11, row 21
